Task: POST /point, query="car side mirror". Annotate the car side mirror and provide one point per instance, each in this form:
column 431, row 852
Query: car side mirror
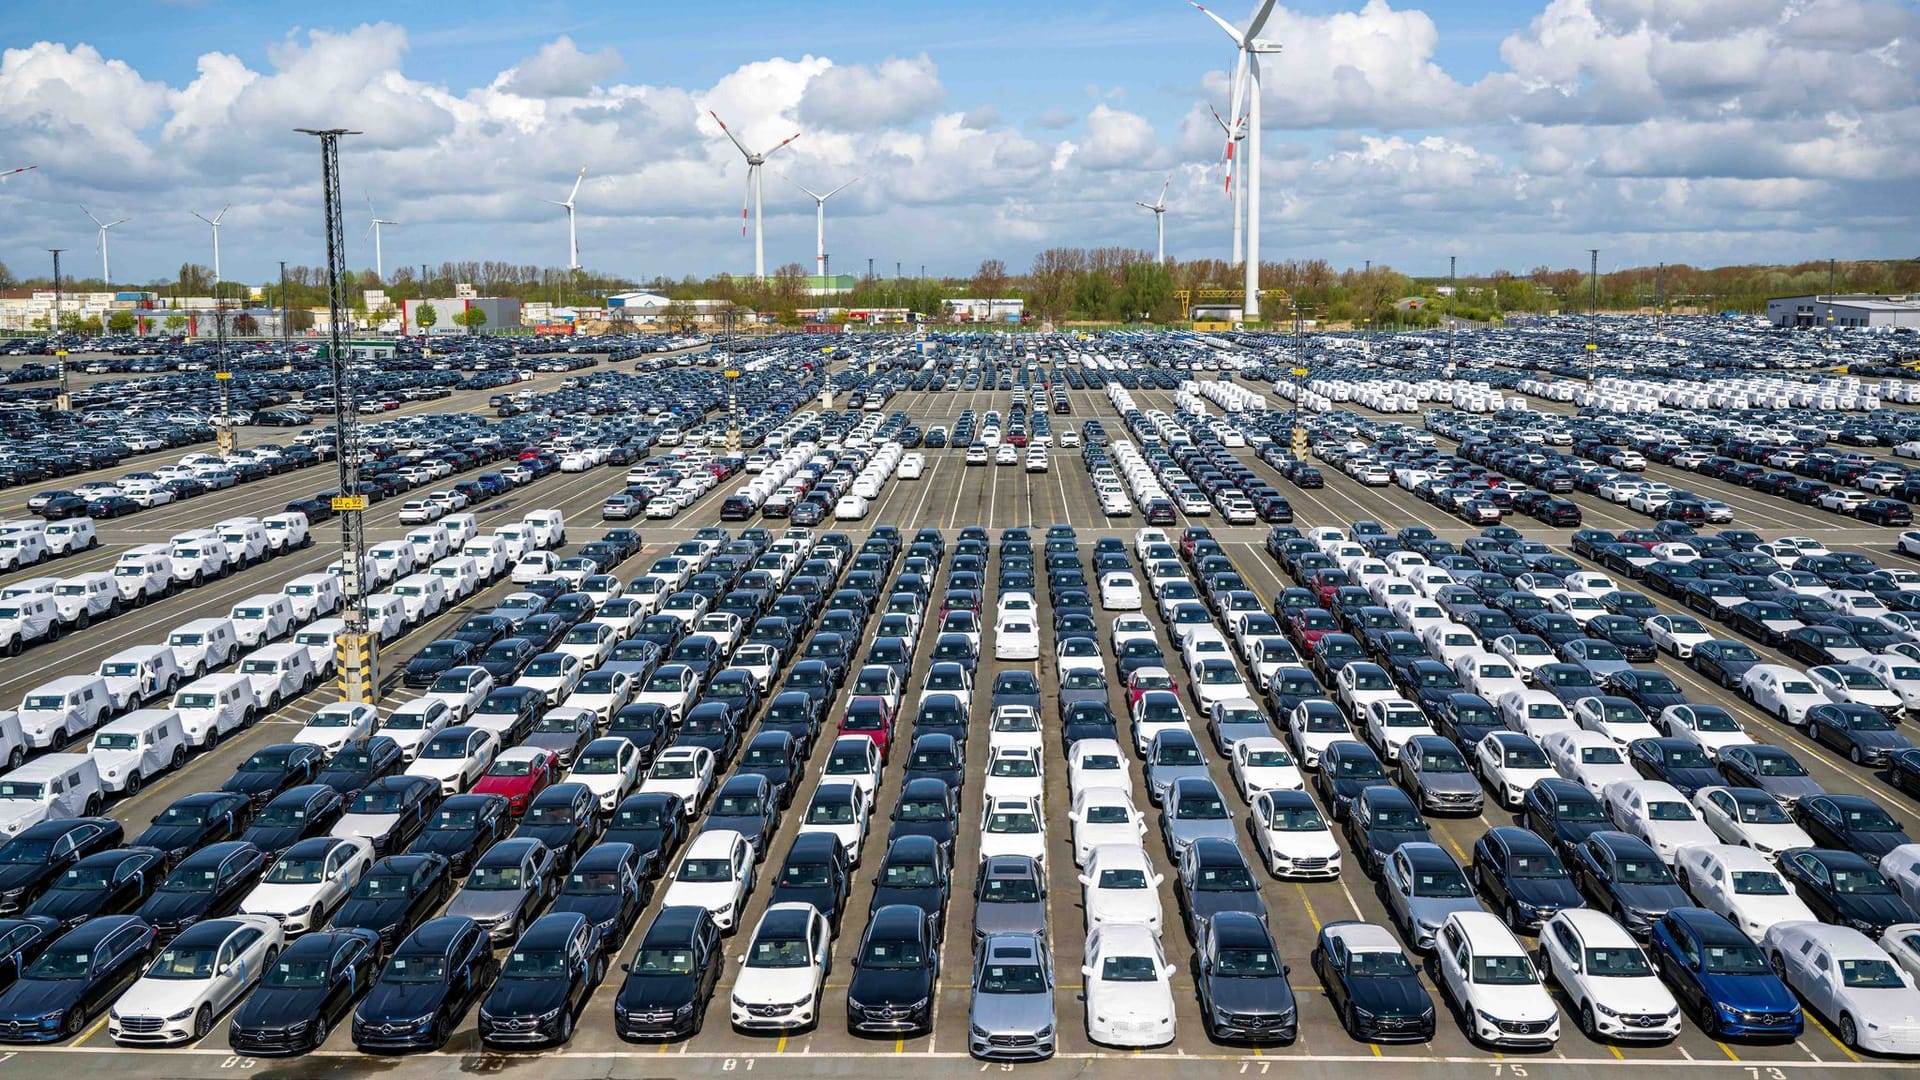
column 1086, row 970
column 1158, row 880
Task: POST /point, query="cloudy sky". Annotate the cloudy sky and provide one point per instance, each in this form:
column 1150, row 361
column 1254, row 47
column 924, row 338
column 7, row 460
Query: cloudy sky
column 1510, row 132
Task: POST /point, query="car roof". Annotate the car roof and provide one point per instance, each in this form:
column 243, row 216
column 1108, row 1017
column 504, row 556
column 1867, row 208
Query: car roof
column 508, row 851
column 1014, row 947
column 712, row 843
column 436, row 935
column 1363, row 936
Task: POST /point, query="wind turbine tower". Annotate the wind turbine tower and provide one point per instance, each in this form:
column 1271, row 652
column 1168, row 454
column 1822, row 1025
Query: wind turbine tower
column 1159, row 208
column 379, row 267
column 754, row 163
column 1250, row 48
column 214, row 223
column 106, row 270
column 820, row 223
column 573, row 238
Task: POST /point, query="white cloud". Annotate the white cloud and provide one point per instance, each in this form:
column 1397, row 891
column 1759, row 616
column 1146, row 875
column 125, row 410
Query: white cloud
column 560, row 69
column 1116, row 139
column 857, row 97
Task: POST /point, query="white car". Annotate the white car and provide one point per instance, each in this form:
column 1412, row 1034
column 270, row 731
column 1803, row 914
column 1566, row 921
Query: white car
column 1263, row 763
column 1613, row 988
column 1535, row 713
column 1015, row 725
column 1095, row 763
column 1587, row 758
column 1852, row 683
column 1128, row 627
column 1676, row 634
column 1901, row 674
column 1016, row 637
column 1447, row 642
column 555, row 674
column 1017, row 772
column 1485, row 970
column 1741, row 884
column 1902, row 942
column 1781, row 691
column 1104, row 815
column 609, row 767
column 1525, row 652
column 1656, row 812
column 855, row 759
column 1013, row 825
column 411, row 724
column 1613, row 718
column 1488, row 675
column 1291, row 836
column 1749, row 818
column 197, row 977
column 716, row 873
column 1314, row 725
column 1119, row 591
column 1362, row 683
column 1583, row 609
column 337, row 724
column 1389, row 724
column 1839, row 972
column 686, row 771
column 1589, row 583
column 1902, row 867
column 1709, row 727
column 602, row 693
column 1509, row 764
column 839, row 809
column 309, row 880
column 457, row 757
column 463, row 689
column 1129, row 987
column 784, row 971
column 1120, row 885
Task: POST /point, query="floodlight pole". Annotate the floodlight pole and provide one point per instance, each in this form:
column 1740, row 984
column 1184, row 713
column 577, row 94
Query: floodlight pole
column 1593, row 311
column 63, row 401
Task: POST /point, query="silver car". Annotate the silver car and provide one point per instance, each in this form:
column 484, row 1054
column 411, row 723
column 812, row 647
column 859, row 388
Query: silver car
column 1173, row 753
column 1193, row 810
column 506, row 887
column 1010, row 1017
column 1435, row 771
column 1424, row 885
column 1010, row 898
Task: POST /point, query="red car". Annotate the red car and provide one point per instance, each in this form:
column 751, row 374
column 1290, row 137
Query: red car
column 519, row 773
column 1310, row 625
column 1145, row 679
column 1192, row 535
column 1327, row 581
column 872, row 717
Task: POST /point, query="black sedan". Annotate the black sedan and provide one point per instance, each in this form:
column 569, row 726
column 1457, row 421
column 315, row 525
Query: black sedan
column 1853, row 822
column 436, row 657
column 1861, row 732
column 428, row 984
column 607, row 886
column 1844, row 889
column 1523, row 877
column 360, row 763
column 395, row 895
column 312, row 987
column 39, row 854
column 1563, row 812
column 111, row 882
column 295, row 815
column 1243, row 988
column 271, row 770
column 74, row 979
column 1678, row 761
column 1371, row 983
column 564, row 817
column 1626, row 879
column 193, row 821
column 1723, row 661
column 22, row 940
column 654, row 822
column 207, row 884
column 895, row 974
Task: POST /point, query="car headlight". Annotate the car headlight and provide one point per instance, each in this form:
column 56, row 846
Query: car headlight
column 978, row 1032
column 1361, row 1014
column 301, row 910
column 1603, row 1010
column 739, row 1002
column 1487, row 1016
column 179, row 1016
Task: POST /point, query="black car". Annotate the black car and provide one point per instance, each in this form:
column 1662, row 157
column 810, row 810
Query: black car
column 914, row 872
column 1844, row 889
column 21, row 941
column 1379, row 818
column 938, row 756
column 608, row 888
column 1242, row 985
column 207, row 884
column 795, row 712
column 395, row 895
column 746, row 804
column 1903, row 768
column 1211, row 879
column 1523, row 877
column 775, row 757
column 1861, row 732
column 1678, row 761
column 1466, row 719
column 1563, row 812
column 565, row 817
column 671, row 978
column 545, row 982
column 1372, row 984
column 391, row 812
column 360, row 763
column 1651, row 690
column 1346, row 768
column 312, row 987
column 1625, row 878
column 436, row 657
column 655, row 823
column 36, row 857
column 294, row 815
column 193, row 821
column 504, row 659
column 427, row 985
column 74, row 979
column 271, row 770
column 110, row 882
column 1853, row 822
column 816, row 871
column 1723, row 661
column 928, row 806
column 895, row 973
column 461, row 828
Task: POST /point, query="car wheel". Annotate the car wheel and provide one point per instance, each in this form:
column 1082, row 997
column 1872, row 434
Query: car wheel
column 319, row 1035
column 1513, row 917
column 1849, row 1032
column 202, row 1022
column 566, row 1025
column 1785, row 717
column 1853, row 755
column 1587, row 1026
column 1813, row 732
column 134, row 781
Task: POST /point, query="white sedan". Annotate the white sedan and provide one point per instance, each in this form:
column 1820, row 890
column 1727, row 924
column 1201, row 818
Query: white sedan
column 1656, row 812
column 457, row 757
column 338, row 724
column 1129, row 987
column 1840, row 972
column 609, row 767
column 1749, row 818
column 1104, row 815
column 1709, row 727
column 1120, row 885
column 686, row 771
column 1676, row 634
column 1094, row 763
column 1587, row 758
column 1013, row 825
column 1510, row 763
column 1015, row 772
column 1263, row 763
column 197, row 977
column 309, row 880
column 1016, row 637
column 1291, row 836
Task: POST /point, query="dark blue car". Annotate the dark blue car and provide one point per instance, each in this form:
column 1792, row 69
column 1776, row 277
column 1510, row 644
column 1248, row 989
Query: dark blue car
column 1723, row 977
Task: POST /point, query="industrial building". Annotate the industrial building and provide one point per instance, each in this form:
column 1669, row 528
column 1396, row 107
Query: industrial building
column 651, row 307
column 502, row 312
column 1848, row 311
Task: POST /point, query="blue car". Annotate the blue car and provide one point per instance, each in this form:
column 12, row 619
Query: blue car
column 1723, row 977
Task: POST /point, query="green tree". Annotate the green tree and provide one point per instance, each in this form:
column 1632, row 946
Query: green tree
column 176, row 322
column 425, row 316
column 120, row 322
column 472, row 318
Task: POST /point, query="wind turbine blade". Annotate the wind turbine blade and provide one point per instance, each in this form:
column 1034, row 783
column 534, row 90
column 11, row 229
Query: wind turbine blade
column 89, row 214
column 21, row 169
column 221, row 214
column 746, row 199
column 782, row 146
column 1144, row 206
column 555, row 202
column 728, row 132
column 1224, row 24
column 1260, row 19
column 372, row 225
column 817, row 197
column 201, row 216
column 576, row 185
column 1161, row 202
column 1239, row 90
column 841, row 188
column 111, row 224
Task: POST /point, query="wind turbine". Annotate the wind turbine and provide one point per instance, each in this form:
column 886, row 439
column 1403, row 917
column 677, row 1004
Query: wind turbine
column 1159, row 208
column 379, row 268
column 573, row 238
column 21, row 169
column 754, row 162
column 1235, row 132
column 820, row 222
column 1250, row 48
column 106, row 272
column 214, row 223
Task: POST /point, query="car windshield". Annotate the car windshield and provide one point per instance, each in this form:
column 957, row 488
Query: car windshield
column 511, row 767
column 1524, row 756
column 1442, row 761
column 178, row 962
column 1395, row 819
column 1583, row 810
column 295, row 975
column 1012, row 822
column 1223, row 879
column 1012, row 979
column 597, row 763
column 1380, row 964
column 1667, row 810
column 415, row 968
column 1514, row 970
column 1871, row 975
column 1599, row 755
column 495, row 879
column 1741, row 959
column 1625, row 963
column 675, row 768
column 1870, row 819
column 535, row 964
column 1537, row 866
column 1201, row 808
column 1129, row 969
column 291, row 871
column 894, row 954
column 1355, row 767
column 1862, row 882
column 668, row 961
column 384, row 887
column 1442, row 883
column 705, row 870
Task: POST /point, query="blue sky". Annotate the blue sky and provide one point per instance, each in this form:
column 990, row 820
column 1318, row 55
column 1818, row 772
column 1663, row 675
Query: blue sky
column 1512, row 133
